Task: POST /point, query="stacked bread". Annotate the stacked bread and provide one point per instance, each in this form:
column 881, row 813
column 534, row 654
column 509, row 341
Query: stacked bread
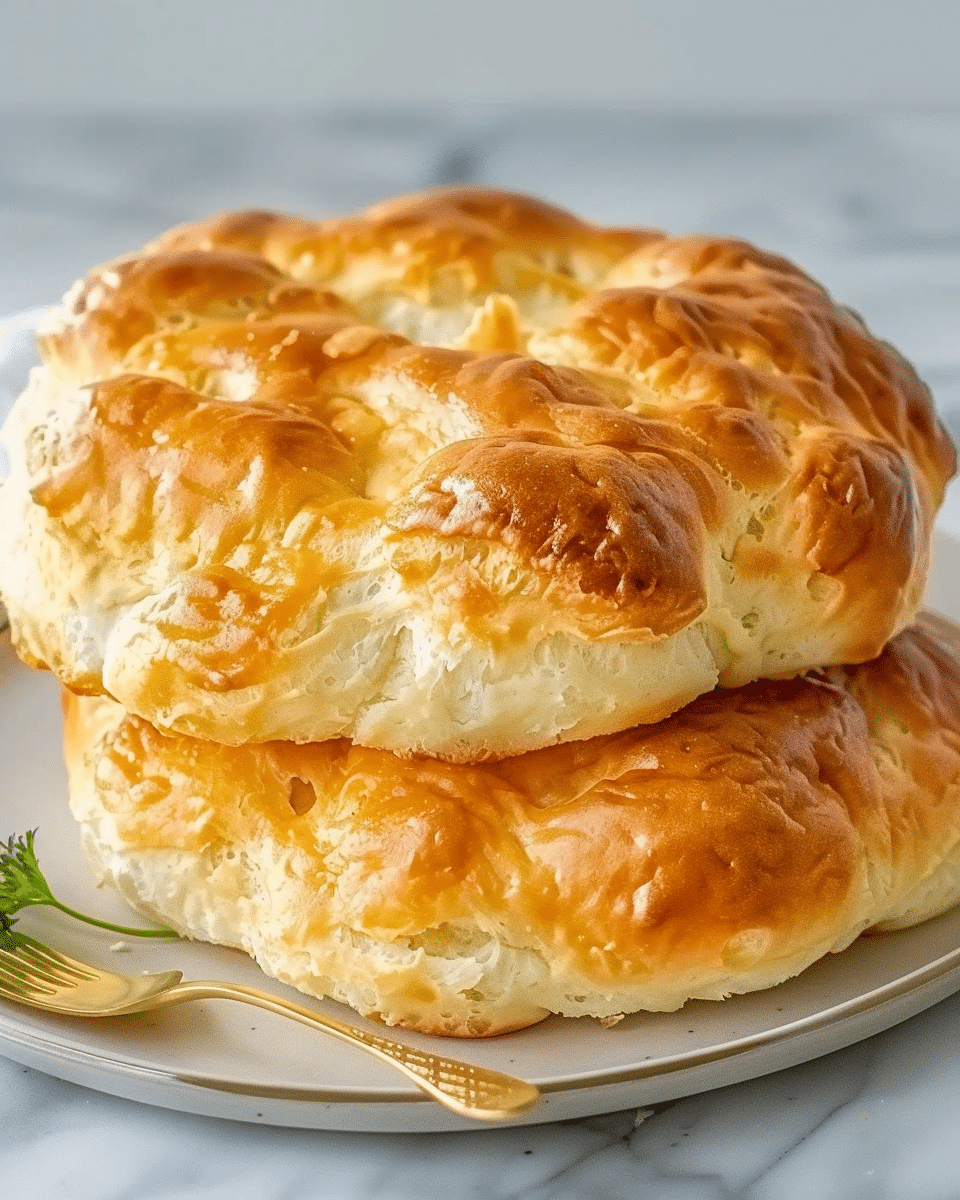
column 411, row 575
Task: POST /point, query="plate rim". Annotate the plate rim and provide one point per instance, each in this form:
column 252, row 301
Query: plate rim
column 406, row 1109
column 914, row 982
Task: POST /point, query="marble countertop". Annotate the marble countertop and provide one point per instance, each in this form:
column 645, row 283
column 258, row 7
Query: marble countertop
column 869, row 205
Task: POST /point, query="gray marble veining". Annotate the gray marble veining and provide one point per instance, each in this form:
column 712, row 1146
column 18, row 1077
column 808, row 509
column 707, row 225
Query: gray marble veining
column 870, row 205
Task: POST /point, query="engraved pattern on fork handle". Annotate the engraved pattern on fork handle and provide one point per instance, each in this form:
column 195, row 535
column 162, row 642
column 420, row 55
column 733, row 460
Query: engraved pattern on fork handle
column 466, row 1089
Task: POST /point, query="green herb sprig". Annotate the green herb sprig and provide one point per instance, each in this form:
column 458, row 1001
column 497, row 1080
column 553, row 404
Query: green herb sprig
column 23, row 885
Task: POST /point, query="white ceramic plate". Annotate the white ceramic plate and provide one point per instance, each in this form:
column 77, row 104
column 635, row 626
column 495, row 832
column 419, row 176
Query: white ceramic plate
column 232, row 1061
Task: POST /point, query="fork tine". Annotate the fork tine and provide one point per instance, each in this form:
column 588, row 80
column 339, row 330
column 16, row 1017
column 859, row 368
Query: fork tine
column 33, row 965
column 19, row 968
column 14, row 983
column 55, row 962
column 26, row 964
column 37, row 950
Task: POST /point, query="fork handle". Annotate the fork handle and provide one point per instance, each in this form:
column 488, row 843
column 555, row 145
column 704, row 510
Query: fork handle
column 465, row 1089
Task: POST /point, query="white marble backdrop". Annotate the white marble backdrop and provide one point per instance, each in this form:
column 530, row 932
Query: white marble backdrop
column 869, row 205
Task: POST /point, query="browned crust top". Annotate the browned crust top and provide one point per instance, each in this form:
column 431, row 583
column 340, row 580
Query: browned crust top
column 622, row 411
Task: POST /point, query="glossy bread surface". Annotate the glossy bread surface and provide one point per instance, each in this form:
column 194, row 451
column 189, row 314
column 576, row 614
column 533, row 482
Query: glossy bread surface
column 463, row 475
column 720, row 851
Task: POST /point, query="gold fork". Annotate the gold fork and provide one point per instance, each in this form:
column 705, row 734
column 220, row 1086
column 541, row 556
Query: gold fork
column 31, row 973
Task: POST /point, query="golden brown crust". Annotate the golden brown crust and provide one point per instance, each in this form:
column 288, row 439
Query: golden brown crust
column 585, row 514
column 662, row 462
column 719, row 851
column 472, row 238
column 124, row 302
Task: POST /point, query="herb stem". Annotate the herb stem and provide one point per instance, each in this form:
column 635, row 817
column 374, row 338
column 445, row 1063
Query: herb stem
column 126, row 929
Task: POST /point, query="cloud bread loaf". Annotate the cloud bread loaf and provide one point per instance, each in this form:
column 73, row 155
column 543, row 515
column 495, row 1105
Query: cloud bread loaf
column 720, row 851
column 464, row 475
